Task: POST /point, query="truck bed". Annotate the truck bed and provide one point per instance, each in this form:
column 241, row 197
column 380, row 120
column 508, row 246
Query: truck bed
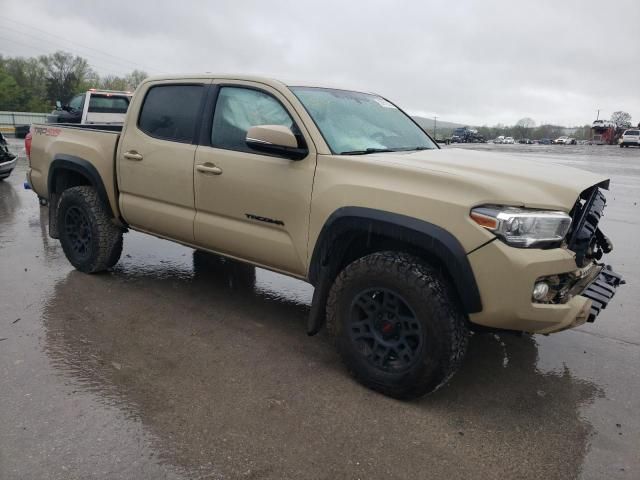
column 94, row 145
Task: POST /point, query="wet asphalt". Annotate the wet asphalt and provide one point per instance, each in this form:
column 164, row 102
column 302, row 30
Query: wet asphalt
column 182, row 365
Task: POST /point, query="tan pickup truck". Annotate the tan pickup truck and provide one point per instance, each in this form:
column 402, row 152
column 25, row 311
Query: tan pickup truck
column 409, row 246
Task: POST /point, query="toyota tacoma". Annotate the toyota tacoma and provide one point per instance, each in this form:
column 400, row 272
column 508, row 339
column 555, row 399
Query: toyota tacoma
column 409, row 247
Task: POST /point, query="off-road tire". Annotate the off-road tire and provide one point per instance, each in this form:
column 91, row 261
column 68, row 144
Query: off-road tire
column 103, row 238
column 443, row 325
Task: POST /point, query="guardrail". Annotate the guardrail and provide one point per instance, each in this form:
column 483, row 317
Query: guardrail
column 18, row 123
column 11, row 119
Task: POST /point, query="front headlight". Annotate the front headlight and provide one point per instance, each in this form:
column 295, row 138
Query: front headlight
column 523, row 227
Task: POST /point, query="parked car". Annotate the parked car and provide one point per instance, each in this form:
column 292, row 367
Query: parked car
column 509, row 140
column 525, row 141
column 560, row 140
column 570, row 141
column 409, row 246
column 7, row 159
column 499, row 140
column 545, row 141
column 630, row 138
column 93, row 107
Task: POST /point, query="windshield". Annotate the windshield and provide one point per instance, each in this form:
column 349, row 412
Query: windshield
column 354, row 122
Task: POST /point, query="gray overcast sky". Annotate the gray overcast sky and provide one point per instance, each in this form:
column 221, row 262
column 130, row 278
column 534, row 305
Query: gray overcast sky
column 477, row 62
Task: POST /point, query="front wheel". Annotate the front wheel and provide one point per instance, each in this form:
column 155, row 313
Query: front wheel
column 398, row 328
column 90, row 240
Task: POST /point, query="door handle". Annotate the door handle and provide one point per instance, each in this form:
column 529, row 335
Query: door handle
column 209, row 169
column 132, row 155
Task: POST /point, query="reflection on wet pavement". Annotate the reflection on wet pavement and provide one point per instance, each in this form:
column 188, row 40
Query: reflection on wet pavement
column 182, row 364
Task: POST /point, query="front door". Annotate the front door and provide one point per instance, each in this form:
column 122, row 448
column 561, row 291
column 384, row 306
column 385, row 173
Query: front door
column 250, row 205
column 155, row 159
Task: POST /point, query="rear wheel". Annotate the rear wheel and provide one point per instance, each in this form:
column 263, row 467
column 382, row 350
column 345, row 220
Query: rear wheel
column 398, row 328
column 90, row 240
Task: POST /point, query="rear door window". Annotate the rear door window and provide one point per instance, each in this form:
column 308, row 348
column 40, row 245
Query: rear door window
column 101, row 103
column 632, row 132
column 170, row 112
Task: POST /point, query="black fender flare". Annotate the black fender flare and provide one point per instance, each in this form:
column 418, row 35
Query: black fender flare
column 435, row 240
column 83, row 167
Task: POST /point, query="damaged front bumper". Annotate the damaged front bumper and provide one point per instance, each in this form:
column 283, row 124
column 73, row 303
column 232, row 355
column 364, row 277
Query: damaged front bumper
column 578, row 286
column 602, row 290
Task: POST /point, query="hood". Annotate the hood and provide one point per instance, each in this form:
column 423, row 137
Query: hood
column 506, row 179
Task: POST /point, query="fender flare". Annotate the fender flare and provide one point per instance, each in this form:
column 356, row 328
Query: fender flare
column 83, row 167
column 437, row 241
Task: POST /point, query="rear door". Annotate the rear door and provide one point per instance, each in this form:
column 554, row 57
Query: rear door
column 156, row 155
column 255, row 206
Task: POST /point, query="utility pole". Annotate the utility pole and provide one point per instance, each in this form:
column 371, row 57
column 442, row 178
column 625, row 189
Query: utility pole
column 598, row 117
column 435, row 125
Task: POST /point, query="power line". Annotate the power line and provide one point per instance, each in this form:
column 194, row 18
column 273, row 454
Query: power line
column 76, row 44
column 41, row 39
column 40, row 50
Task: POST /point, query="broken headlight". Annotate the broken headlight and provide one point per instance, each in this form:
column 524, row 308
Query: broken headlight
column 523, row 227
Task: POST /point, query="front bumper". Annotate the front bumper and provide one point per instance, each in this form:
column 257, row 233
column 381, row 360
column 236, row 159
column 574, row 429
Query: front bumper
column 602, row 290
column 6, row 167
column 506, row 276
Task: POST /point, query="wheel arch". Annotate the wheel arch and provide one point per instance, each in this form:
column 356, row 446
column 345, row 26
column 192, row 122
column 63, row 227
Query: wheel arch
column 68, row 171
column 351, row 232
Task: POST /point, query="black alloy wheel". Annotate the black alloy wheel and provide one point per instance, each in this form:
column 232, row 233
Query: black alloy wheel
column 78, row 231
column 385, row 330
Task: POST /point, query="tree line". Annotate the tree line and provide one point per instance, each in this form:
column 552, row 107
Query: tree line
column 527, row 128
column 34, row 84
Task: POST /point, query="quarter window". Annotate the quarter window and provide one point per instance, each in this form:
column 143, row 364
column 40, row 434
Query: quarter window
column 238, row 109
column 170, row 112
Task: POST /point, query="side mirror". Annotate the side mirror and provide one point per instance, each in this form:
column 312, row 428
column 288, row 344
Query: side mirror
column 58, row 105
column 276, row 140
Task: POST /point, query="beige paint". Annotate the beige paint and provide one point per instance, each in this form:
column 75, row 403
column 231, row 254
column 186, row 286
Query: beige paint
column 506, row 276
column 200, row 196
column 272, row 135
column 98, row 147
column 155, row 177
column 266, row 186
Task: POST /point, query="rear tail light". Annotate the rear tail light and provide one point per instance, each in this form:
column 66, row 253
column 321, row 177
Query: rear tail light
column 27, row 146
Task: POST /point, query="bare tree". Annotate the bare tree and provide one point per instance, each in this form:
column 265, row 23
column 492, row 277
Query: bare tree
column 523, row 126
column 621, row 119
column 135, row 78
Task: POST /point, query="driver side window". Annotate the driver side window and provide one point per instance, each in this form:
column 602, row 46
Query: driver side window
column 238, row 109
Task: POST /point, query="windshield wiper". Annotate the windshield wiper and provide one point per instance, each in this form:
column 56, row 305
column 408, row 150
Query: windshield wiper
column 367, row 151
column 414, row 149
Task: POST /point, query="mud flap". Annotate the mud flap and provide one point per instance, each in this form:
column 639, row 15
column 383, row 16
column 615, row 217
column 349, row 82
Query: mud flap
column 318, row 313
column 53, row 215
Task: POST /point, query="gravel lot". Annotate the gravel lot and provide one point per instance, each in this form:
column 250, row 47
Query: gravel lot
column 179, row 365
